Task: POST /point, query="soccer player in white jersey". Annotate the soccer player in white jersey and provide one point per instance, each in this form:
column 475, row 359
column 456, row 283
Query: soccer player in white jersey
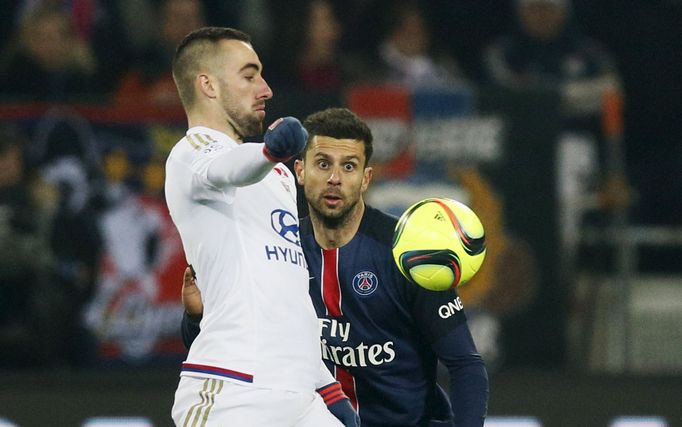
column 257, row 359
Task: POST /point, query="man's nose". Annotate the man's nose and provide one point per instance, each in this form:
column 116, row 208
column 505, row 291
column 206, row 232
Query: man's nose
column 334, row 177
column 265, row 92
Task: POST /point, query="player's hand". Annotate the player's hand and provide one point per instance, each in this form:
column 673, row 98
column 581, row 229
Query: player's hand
column 339, row 404
column 191, row 295
column 284, row 139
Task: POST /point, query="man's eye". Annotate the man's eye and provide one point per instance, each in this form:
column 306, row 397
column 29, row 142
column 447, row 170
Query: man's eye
column 349, row 167
column 323, row 165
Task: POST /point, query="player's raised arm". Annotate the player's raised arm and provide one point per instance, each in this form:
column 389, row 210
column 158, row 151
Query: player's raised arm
column 249, row 163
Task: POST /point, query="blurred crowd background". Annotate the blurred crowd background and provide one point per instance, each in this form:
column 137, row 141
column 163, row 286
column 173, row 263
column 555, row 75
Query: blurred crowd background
column 558, row 121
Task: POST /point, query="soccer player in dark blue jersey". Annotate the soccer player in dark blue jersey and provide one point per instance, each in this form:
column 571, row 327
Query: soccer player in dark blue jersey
column 381, row 336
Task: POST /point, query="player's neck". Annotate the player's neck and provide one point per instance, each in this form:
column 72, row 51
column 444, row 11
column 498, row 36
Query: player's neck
column 335, row 234
column 212, row 122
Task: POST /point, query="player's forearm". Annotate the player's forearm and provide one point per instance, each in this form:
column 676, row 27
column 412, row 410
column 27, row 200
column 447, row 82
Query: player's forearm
column 468, row 376
column 469, row 392
column 243, row 165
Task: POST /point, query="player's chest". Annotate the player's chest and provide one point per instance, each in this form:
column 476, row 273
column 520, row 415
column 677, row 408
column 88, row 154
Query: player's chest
column 268, row 198
column 354, row 284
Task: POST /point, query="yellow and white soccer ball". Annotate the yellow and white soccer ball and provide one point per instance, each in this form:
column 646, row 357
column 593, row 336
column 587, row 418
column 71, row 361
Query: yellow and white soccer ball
column 439, row 243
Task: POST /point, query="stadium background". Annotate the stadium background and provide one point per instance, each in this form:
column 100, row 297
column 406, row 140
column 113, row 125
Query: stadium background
column 569, row 349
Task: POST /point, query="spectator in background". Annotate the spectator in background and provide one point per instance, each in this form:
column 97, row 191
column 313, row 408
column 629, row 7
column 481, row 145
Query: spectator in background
column 548, row 52
column 63, row 150
column 95, row 23
column 408, row 54
column 319, row 65
column 149, row 80
column 29, row 306
column 47, row 61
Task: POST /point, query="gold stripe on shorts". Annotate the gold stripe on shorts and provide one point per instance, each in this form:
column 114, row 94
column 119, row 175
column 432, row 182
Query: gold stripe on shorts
column 212, row 397
column 193, row 407
column 206, row 404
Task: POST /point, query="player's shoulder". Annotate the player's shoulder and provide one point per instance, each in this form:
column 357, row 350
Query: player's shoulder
column 205, row 141
column 378, row 225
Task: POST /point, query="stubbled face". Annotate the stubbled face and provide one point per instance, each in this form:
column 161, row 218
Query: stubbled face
column 334, row 176
column 241, row 87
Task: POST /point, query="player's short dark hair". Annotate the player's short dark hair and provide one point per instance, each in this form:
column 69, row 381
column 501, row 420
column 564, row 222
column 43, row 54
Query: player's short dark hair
column 339, row 123
column 194, row 51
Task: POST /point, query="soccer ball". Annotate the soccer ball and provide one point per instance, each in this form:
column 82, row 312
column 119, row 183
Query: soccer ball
column 439, row 243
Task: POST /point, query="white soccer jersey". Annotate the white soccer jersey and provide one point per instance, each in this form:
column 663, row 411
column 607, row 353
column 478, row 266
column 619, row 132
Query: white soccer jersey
column 259, row 326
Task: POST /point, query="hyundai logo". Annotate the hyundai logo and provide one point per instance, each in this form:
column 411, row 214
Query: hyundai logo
column 286, row 225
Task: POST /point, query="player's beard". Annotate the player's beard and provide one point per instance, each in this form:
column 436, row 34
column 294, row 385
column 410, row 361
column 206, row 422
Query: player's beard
column 332, row 219
column 243, row 123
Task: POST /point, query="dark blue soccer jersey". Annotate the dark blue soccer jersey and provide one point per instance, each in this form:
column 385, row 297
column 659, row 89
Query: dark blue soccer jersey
column 386, row 361
column 379, row 332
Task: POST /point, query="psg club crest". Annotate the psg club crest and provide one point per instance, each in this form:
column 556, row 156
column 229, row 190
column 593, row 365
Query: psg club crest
column 365, row 283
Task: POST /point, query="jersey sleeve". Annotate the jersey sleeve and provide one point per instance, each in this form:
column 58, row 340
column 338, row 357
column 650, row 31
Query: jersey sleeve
column 221, row 167
column 468, row 376
column 439, row 316
column 435, row 313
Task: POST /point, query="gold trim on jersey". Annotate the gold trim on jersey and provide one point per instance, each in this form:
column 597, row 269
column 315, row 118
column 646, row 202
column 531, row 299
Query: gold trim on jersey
column 190, row 139
column 199, row 139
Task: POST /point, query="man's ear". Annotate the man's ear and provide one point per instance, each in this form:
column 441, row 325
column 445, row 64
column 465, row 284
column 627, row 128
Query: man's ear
column 206, row 86
column 299, row 170
column 366, row 178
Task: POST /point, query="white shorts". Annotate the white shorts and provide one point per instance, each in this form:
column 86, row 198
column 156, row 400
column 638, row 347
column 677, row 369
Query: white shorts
column 201, row 402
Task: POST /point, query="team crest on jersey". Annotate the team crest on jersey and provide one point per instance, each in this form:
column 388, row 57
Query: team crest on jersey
column 365, row 283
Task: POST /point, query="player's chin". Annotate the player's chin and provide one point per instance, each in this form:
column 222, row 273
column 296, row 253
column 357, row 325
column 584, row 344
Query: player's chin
column 254, row 126
column 329, row 209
